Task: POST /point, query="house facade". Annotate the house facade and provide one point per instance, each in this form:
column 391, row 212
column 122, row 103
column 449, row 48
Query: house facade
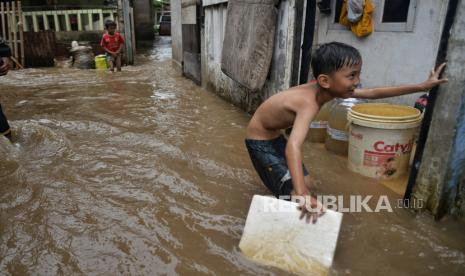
column 403, row 48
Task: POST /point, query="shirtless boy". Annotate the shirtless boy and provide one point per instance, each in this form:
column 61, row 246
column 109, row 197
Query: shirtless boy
column 278, row 161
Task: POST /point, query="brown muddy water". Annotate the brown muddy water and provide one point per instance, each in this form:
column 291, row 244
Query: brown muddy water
column 145, row 173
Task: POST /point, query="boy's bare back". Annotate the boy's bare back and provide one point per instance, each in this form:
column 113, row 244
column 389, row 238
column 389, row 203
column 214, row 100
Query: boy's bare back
column 280, row 110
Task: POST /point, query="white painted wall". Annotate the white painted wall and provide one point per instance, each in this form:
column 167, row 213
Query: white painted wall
column 176, row 31
column 392, row 58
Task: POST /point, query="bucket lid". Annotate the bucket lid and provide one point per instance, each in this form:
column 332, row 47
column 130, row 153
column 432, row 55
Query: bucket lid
column 385, row 112
column 384, row 122
column 354, row 116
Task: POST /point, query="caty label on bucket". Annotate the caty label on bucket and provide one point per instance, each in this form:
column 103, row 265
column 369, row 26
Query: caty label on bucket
column 380, row 153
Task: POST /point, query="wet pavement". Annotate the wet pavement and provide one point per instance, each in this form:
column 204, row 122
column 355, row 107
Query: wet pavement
column 142, row 172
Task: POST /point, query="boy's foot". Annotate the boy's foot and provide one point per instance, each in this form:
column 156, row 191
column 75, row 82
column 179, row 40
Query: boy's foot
column 9, row 136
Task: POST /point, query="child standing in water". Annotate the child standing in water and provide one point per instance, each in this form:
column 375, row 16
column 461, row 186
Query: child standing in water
column 5, row 54
column 112, row 42
column 278, row 161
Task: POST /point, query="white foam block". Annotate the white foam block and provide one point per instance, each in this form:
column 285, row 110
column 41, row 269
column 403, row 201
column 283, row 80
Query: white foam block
column 274, row 235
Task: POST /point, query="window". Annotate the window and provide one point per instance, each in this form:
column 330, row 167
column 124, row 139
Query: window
column 397, row 16
column 338, row 9
column 395, row 10
column 389, row 15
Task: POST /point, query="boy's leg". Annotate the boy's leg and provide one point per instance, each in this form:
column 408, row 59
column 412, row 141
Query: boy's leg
column 308, row 181
column 110, row 61
column 4, row 126
column 118, row 62
column 270, row 166
column 112, row 65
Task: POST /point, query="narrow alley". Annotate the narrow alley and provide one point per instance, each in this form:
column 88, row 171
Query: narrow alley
column 143, row 172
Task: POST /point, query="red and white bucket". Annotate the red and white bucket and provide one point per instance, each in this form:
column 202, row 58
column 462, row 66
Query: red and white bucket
column 381, row 138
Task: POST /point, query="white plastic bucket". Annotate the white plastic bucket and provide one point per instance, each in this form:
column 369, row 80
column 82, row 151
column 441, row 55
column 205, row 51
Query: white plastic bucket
column 381, row 138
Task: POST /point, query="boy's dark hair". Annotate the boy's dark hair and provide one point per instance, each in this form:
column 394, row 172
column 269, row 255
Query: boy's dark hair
column 110, row 23
column 330, row 57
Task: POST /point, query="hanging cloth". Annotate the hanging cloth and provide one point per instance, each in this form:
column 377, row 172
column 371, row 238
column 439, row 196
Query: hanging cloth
column 355, row 10
column 364, row 26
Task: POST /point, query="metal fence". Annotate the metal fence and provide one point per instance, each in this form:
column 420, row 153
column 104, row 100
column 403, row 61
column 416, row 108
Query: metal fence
column 68, row 20
column 12, row 29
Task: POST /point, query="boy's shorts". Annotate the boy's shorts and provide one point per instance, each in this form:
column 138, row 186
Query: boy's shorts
column 109, row 57
column 4, row 126
column 269, row 159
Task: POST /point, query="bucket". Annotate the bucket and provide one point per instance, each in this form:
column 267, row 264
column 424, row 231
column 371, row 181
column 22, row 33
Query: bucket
column 101, row 62
column 317, row 129
column 381, row 138
column 337, row 138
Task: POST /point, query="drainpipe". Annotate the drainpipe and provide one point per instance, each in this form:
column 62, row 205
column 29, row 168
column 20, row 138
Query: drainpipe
column 128, row 33
column 299, row 13
column 440, row 58
column 309, row 29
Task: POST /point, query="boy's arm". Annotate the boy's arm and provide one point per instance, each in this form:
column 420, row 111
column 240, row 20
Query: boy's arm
column 311, row 209
column 294, row 149
column 391, row 91
column 5, row 53
column 120, row 48
column 108, row 51
column 104, row 46
column 121, row 44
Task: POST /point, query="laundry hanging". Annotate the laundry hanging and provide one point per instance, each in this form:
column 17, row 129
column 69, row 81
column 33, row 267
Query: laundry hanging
column 355, row 10
column 364, row 26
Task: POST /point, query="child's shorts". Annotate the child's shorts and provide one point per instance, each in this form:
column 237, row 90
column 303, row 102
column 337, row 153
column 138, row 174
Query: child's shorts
column 269, row 159
column 4, row 126
column 109, row 57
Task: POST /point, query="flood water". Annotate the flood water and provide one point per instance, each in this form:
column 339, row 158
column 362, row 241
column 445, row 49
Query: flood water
column 144, row 173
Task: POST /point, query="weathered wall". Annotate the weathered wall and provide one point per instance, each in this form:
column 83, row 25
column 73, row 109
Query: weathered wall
column 460, row 203
column 281, row 65
column 191, row 40
column 64, row 2
column 144, row 19
column 441, row 176
column 392, row 58
column 176, row 31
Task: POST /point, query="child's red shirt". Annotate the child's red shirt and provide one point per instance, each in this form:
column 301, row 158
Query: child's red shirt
column 112, row 42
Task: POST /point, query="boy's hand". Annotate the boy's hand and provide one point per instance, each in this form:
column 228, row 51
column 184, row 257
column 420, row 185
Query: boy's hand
column 433, row 79
column 4, row 65
column 311, row 208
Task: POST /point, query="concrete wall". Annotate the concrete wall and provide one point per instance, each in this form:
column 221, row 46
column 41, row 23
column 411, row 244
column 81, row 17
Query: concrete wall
column 64, row 2
column 144, row 19
column 441, row 177
column 459, row 207
column 281, row 66
column 392, row 58
column 176, row 31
